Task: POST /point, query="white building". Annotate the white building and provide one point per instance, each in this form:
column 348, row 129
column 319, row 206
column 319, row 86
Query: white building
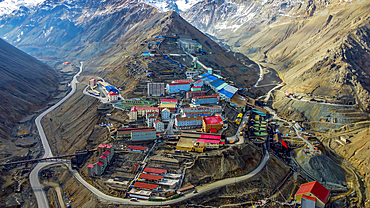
column 159, row 126
column 112, row 96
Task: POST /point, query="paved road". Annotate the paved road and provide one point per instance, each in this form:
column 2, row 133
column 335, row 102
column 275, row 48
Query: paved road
column 34, row 180
column 201, row 190
column 261, row 75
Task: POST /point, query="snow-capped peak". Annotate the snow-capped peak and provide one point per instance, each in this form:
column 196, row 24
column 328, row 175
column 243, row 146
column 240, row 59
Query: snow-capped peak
column 8, row 6
column 176, row 5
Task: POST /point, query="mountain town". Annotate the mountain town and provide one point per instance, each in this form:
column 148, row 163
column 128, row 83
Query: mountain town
column 155, row 103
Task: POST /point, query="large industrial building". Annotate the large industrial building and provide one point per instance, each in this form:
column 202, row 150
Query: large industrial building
column 143, row 135
column 207, row 99
column 178, row 87
column 156, row 89
column 190, row 45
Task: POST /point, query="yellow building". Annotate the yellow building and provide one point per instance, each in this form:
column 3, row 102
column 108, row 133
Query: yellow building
column 199, row 147
column 185, row 144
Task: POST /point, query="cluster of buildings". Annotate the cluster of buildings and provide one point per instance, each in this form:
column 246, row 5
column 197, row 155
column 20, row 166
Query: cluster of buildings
column 155, row 115
column 97, row 169
column 151, row 180
column 198, row 142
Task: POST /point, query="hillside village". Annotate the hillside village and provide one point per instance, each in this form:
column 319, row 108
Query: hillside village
column 194, row 113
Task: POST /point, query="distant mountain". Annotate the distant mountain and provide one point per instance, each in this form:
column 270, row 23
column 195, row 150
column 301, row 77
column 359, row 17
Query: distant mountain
column 58, row 29
column 174, row 5
column 25, row 84
column 8, row 6
column 321, row 47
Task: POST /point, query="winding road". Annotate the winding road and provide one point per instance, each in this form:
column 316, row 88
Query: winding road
column 34, row 180
column 261, row 75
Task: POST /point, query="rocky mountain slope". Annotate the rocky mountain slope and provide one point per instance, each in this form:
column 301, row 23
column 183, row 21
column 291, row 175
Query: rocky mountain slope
column 25, row 84
column 306, row 40
column 67, row 29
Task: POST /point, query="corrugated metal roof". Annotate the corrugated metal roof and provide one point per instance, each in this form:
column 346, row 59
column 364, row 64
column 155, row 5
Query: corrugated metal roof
column 231, row 89
column 217, row 83
column 226, row 93
column 222, row 86
column 210, row 78
column 150, row 177
column 145, row 186
column 204, row 75
column 155, row 170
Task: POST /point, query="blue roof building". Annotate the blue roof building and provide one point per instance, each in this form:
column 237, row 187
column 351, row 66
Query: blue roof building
column 216, row 83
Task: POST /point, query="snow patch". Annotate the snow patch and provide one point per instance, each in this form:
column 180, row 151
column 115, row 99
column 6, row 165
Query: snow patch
column 8, row 6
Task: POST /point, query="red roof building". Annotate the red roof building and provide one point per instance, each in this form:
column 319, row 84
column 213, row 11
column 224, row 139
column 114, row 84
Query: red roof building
column 112, row 93
column 180, row 83
column 100, row 163
column 150, row 177
column 155, row 171
column 91, row 165
column 213, row 120
column 169, row 100
column 147, row 186
column 138, row 148
column 313, row 189
column 103, row 157
column 182, row 80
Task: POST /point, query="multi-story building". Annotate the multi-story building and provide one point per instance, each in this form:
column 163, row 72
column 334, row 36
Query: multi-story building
column 159, row 126
column 191, row 94
column 166, row 114
column 142, row 111
column 150, row 121
column 213, row 110
column 178, row 87
column 188, row 123
column 207, row 99
column 107, row 153
column 156, row 89
column 143, row 135
column 212, row 124
column 170, row 104
column 197, row 114
column 112, row 96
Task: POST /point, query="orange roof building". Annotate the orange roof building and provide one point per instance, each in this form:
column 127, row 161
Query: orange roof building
column 313, row 190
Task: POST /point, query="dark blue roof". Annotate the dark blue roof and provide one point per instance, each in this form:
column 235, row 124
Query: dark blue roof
column 217, row 83
column 204, row 75
column 226, row 93
column 210, row 78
